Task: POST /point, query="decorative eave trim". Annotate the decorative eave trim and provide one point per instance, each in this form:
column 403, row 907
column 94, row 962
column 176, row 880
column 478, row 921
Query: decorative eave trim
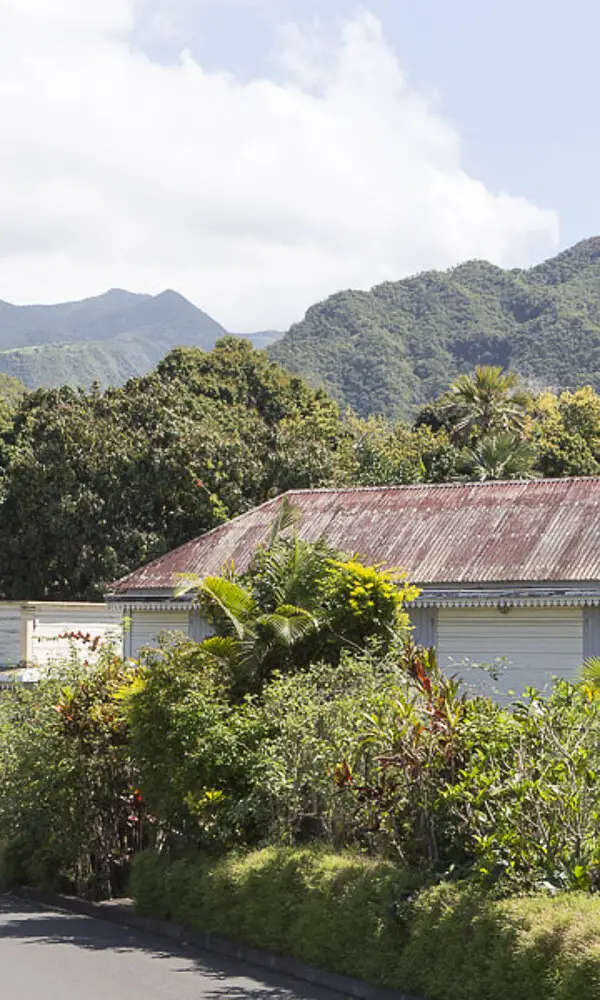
column 124, row 607
column 448, row 601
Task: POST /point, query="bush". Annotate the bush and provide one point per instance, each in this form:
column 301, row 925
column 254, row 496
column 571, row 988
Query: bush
column 511, row 797
column 329, row 910
column 216, row 773
column 69, row 812
column 364, row 918
column 382, row 753
column 194, row 751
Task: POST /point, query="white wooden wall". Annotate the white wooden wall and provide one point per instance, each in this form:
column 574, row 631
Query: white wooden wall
column 145, row 627
column 537, row 644
column 48, row 623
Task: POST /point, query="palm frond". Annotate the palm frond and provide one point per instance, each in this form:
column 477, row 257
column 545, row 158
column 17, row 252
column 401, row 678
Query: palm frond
column 501, row 456
column 287, row 516
column 225, row 649
column 590, row 671
column 232, row 600
column 288, row 624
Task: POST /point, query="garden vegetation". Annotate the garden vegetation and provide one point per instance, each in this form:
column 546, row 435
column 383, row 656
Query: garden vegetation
column 308, row 780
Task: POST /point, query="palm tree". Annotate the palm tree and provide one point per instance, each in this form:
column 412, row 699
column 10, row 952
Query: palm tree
column 486, row 402
column 501, row 456
column 257, row 628
column 249, row 641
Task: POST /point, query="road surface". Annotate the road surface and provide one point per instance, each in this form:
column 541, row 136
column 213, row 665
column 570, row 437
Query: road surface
column 48, row 955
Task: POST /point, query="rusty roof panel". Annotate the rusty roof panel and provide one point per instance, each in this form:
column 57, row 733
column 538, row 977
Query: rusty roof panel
column 475, row 533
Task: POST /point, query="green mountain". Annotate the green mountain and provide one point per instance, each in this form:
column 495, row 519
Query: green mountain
column 387, row 350
column 108, row 339
column 401, row 344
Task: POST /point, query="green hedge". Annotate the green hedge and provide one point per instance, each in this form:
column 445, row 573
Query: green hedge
column 358, row 917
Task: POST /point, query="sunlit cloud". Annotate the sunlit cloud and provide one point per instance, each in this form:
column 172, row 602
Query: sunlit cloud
column 253, row 198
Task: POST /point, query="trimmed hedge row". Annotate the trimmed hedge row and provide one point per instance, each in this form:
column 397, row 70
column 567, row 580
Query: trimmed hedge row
column 363, row 919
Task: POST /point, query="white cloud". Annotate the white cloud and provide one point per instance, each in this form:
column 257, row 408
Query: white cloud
column 253, row 199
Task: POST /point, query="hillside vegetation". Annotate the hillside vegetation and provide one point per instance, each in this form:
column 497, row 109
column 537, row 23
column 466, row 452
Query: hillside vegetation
column 107, row 339
column 386, row 351
column 401, row 344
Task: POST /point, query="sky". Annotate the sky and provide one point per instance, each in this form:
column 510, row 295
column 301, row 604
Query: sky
column 259, row 155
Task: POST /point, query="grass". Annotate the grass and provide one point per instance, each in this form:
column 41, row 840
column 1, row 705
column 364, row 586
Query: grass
column 353, row 916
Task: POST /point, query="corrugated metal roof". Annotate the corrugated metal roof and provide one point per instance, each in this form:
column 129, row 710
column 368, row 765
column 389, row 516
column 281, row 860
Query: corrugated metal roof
column 544, row 530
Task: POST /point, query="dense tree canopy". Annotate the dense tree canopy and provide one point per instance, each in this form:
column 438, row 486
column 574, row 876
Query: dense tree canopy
column 94, row 484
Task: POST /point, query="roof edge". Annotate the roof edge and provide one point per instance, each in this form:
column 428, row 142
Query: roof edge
column 109, row 589
column 120, row 586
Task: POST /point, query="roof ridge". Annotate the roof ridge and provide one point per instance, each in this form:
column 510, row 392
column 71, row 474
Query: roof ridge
column 488, row 484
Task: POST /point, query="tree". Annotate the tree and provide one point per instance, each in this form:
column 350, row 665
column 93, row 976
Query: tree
column 341, row 605
column 484, row 403
column 96, row 484
column 500, row 456
column 251, row 642
column 566, row 433
column 69, row 808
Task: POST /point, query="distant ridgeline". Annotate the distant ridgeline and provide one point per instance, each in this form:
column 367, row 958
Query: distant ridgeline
column 108, row 339
column 401, row 344
column 383, row 351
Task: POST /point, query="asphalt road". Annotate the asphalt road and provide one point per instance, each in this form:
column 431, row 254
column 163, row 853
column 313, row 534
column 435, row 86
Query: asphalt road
column 47, row 955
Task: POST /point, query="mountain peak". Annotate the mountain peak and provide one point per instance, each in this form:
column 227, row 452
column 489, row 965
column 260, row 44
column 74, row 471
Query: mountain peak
column 108, row 338
column 169, row 293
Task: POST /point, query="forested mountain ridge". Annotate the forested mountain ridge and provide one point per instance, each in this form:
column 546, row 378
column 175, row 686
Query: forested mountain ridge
column 109, row 338
column 388, row 350
column 399, row 345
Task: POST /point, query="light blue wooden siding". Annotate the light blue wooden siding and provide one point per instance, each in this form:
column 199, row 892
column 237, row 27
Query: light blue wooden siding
column 10, row 635
column 591, row 632
column 199, row 627
column 425, row 626
column 148, row 626
column 534, row 645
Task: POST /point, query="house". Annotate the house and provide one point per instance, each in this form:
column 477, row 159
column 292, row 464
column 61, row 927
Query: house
column 509, row 569
column 32, row 634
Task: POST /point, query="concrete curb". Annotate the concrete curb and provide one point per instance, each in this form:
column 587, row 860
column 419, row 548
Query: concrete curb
column 121, row 912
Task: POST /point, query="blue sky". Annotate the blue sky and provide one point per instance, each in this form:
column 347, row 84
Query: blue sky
column 258, row 155
column 519, row 78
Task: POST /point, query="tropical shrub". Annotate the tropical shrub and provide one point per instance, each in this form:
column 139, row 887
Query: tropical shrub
column 70, row 812
column 382, row 754
column 193, row 748
column 217, row 772
column 299, row 603
column 512, row 797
